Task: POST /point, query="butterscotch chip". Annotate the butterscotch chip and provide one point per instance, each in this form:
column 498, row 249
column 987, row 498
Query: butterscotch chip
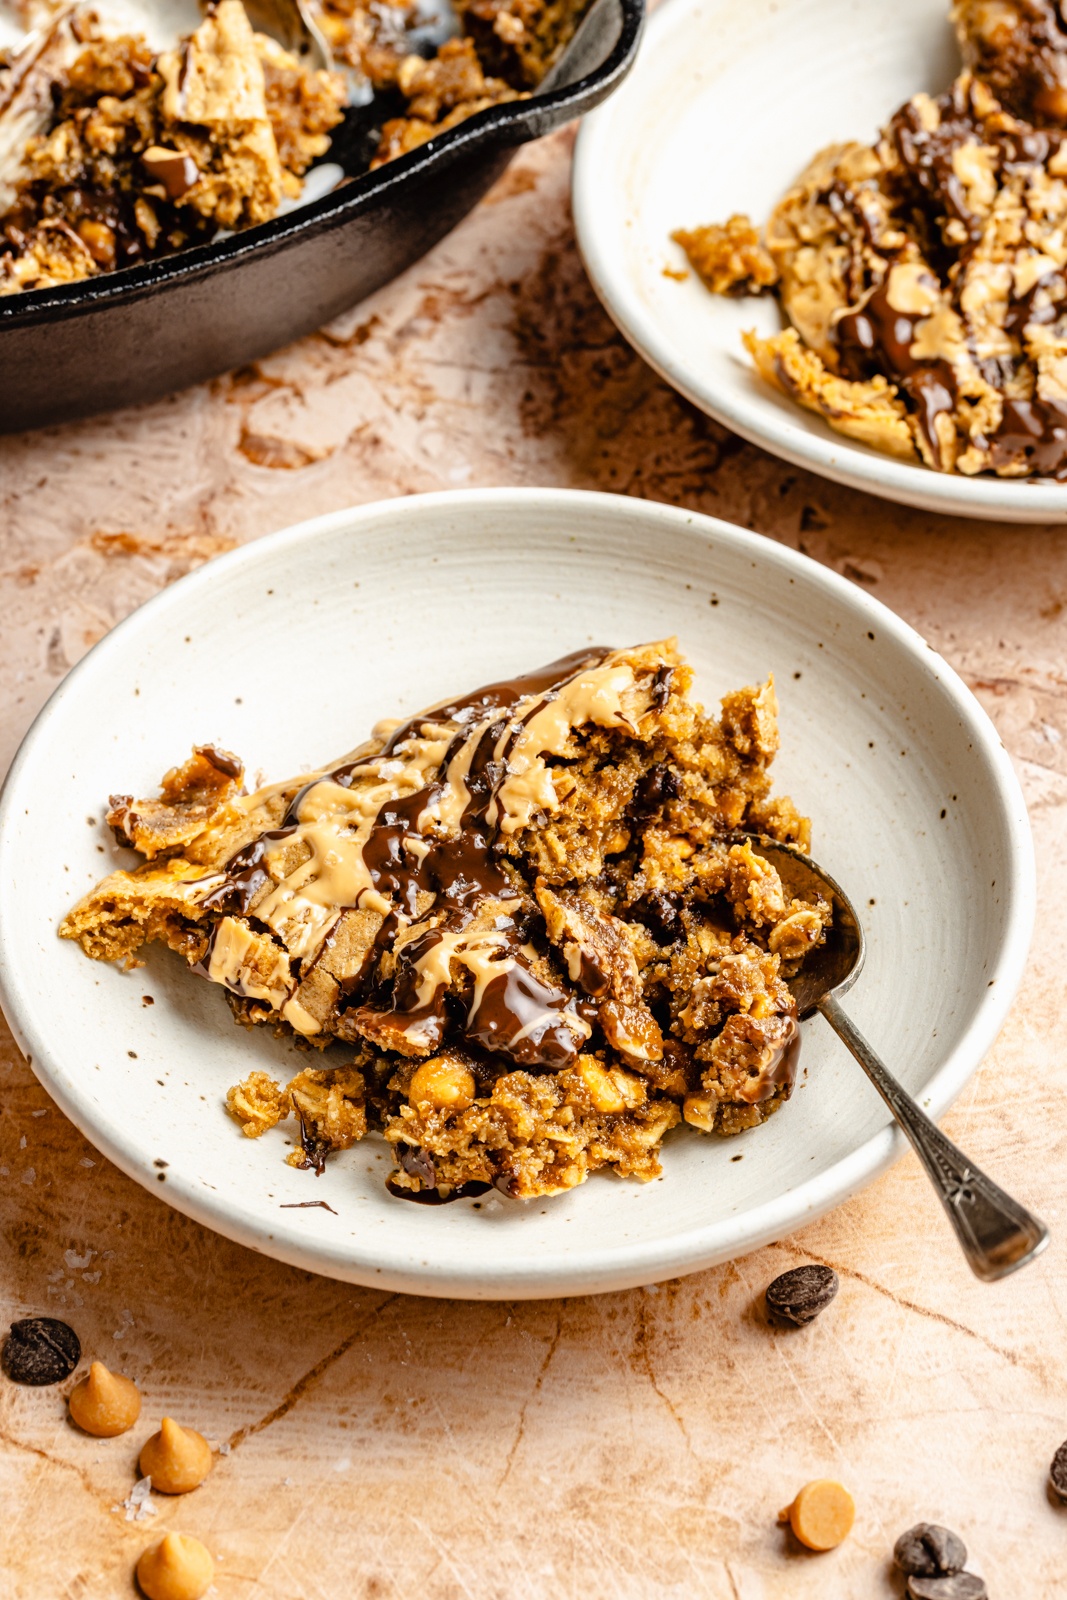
column 105, row 1403
column 443, row 1084
column 176, row 1459
column 177, row 1568
column 822, row 1514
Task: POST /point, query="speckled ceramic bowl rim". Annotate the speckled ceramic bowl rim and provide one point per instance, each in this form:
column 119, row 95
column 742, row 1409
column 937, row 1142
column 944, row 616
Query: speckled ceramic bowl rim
column 584, row 1272
column 595, row 193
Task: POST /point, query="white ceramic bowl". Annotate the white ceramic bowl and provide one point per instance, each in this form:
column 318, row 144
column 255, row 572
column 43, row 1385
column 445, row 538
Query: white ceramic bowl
column 287, row 650
column 727, row 103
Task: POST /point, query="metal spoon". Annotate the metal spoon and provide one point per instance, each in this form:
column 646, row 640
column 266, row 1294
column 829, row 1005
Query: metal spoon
column 291, row 23
column 997, row 1234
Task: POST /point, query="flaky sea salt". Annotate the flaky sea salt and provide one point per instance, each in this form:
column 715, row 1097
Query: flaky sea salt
column 138, row 1504
column 75, row 1262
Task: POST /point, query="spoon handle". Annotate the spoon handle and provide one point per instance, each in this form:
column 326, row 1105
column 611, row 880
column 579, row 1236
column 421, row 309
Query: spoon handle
column 997, row 1234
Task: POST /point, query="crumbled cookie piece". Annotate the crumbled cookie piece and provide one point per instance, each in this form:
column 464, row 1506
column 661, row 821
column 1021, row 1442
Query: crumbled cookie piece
column 440, row 93
column 868, row 411
column 521, row 40
column 191, row 797
column 331, row 1106
column 258, row 1103
column 1019, row 47
column 730, row 259
column 302, row 107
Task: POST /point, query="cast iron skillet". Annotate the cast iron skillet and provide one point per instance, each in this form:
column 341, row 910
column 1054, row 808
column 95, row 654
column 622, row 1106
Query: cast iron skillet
column 137, row 334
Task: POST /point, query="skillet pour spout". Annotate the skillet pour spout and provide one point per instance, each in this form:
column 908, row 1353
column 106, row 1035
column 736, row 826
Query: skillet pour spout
column 135, row 335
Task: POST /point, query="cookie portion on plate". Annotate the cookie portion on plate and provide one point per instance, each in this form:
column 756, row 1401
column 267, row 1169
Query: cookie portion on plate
column 923, row 277
column 527, row 913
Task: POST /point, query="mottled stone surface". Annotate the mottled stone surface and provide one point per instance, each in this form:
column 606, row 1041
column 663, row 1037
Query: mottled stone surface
column 633, row 1445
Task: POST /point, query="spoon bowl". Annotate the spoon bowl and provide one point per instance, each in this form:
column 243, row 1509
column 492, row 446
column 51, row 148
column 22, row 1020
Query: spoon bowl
column 835, row 964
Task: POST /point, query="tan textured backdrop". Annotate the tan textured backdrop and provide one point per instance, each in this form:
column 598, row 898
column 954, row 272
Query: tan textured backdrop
column 634, row 1445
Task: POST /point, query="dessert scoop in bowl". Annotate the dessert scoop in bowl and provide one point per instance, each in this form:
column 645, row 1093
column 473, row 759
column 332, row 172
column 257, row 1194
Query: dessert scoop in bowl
column 996, row 1233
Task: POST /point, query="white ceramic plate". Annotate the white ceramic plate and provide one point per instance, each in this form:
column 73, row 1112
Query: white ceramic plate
column 288, row 650
column 727, row 103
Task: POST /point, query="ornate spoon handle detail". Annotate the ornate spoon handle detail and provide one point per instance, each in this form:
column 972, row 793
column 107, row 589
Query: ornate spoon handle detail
column 997, row 1234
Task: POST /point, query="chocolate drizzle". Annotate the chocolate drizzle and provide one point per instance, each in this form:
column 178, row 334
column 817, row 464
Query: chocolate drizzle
column 446, row 886
column 516, row 1013
column 245, row 875
column 878, row 338
column 418, row 1163
column 927, row 192
column 926, row 157
column 780, row 1072
column 522, row 1017
column 315, row 1149
column 1032, row 433
column 434, row 1197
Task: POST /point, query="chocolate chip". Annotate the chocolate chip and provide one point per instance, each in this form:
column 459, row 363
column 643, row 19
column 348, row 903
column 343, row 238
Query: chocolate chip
column 418, row 1163
column 659, row 911
column 660, row 691
column 930, row 1551
column 956, row 1586
column 1057, row 1472
column 315, row 1149
column 798, row 1296
column 658, row 785
column 39, row 1351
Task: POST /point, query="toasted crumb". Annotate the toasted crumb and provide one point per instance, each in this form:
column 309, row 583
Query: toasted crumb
column 730, row 259
column 258, row 1103
column 331, row 1106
